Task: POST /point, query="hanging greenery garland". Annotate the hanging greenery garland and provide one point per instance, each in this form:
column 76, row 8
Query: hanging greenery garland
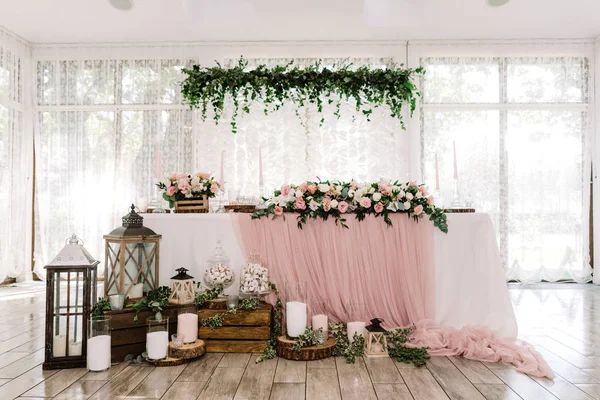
column 208, row 88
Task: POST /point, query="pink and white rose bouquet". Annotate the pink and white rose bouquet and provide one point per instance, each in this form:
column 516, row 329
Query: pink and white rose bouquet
column 185, row 187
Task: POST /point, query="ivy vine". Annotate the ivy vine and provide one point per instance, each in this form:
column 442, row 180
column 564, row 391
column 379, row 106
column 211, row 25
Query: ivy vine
column 207, row 88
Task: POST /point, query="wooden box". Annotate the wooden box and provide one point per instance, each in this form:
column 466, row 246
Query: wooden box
column 128, row 336
column 197, row 205
column 243, row 332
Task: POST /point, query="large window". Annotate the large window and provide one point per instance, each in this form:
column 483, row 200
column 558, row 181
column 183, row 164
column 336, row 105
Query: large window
column 520, row 127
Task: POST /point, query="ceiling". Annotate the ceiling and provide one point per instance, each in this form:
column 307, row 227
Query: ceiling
column 77, row 21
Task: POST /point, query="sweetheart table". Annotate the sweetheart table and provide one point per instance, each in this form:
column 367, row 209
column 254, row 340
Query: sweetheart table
column 468, row 287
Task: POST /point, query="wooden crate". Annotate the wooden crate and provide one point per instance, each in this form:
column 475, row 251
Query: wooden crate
column 243, row 332
column 197, row 205
column 128, row 336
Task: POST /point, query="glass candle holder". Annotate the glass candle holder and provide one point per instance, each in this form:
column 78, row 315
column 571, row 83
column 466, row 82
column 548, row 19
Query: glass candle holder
column 295, row 306
column 157, row 338
column 176, row 340
column 232, row 301
column 117, row 301
column 187, row 324
column 98, row 344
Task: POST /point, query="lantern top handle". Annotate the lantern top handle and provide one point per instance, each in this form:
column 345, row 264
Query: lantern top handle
column 74, row 239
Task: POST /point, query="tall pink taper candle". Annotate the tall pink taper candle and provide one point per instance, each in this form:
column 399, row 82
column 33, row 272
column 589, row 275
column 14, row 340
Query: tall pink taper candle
column 455, row 168
column 157, row 160
column 222, row 177
column 437, row 174
column 260, row 169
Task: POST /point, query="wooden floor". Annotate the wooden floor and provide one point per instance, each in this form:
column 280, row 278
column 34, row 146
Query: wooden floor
column 559, row 319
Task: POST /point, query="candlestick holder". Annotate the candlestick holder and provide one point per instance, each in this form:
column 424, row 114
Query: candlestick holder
column 156, row 204
column 456, row 202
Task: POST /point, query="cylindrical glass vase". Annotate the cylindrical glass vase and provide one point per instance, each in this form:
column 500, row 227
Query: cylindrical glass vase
column 157, row 338
column 98, row 344
column 295, row 294
column 187, row 323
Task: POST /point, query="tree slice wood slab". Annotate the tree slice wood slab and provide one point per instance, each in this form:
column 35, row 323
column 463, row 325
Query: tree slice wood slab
column 168, row 362
column 216, row 304
column 188, row 351
column 284, row 350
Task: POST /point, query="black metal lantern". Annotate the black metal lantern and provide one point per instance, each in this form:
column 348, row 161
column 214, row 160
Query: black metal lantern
column 70, row 294
column 131, row 258
column 182, row 288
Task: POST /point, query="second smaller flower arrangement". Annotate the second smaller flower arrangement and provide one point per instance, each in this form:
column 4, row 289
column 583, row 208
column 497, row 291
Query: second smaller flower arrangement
column 185, row 187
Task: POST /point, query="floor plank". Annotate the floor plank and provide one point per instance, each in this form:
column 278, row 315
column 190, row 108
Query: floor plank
column 123, row 383
column 565, row 369
column 562, row 388
column 222, row 384
column 24, row 383
column 592, row 390
column 324, row 363
column 454, row 383
column 382, row 370
column 235, row 360
column 523, row 385
column 157, row 382
column 184, row 391
column 289, row 371
column 287, row 391
column 396, row 391
column 257, row 381
column 107, row 375
column 200, row 370
column 497, row 392
column 56, row 383
column 422, row 384
column 355, row 382
column 322, row 383
column 475, row 371
column 23, row 365
column 80, row 390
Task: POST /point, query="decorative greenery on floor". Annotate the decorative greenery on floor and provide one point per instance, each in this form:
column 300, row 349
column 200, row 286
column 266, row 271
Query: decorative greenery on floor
column 307, row 339
column 343, row 347
column 314, row 85
column 396, row 340
column 270, row 351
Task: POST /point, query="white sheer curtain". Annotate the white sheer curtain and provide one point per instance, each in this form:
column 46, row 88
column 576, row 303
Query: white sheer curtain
column 521, row 128
column 16, row 145
column 296, row 149
column 105, row 129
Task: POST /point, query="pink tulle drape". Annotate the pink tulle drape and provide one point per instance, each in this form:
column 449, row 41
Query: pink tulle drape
column 371, row 270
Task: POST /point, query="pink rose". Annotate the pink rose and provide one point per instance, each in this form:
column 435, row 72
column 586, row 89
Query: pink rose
column 203, row 175
column 378, row 207
column 183, row 185
column 343, row 206
column 353, row 184
column 278, row 210
column 285, row 190
column 399, row 197
column 326, row 204
column 430, row 200
column 214, row 188
column 423, row 190
column 171, row 190
column 386, row 190
column 181, row 176
column 300, row 204
column 303, row 186
column 412, row 183
column 365, row 202
column 312, row 188
column 418, row 209
column 173, row 177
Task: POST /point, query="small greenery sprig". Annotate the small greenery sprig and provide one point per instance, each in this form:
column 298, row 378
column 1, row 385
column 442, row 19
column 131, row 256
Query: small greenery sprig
column 270, row 351
column 208, row 294
column 101, row 305
column 343, row 347
column 396, row 340
column 217, row 320
column 213, row 322
column 307, row 339
column 314, row 85
column 155, row 300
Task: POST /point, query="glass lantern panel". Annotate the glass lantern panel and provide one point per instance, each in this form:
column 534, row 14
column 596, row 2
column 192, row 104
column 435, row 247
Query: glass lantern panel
column 75, row 335
column 140, row 266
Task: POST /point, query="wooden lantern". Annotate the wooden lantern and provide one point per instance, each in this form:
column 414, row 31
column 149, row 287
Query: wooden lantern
column 182, row 288
column 70, row 294
column 375, row 341
column 131, row 258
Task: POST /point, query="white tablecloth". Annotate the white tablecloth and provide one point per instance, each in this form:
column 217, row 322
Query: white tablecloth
column 470, row 285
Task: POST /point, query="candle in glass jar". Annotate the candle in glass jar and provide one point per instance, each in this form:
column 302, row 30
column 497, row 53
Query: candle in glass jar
column 75, row 349
column 356, row 327
column 319, row 322
column 137, row 291
column 98, row 353
column 157, row 344
column 59, row 346
column 187, row 326
column 295, row 318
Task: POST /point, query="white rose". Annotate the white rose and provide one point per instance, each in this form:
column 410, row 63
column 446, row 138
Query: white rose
column 334, row 203
column 419, row 195
column 313, row 205
column 195, row 181
column 406, row 205
column 351, row 193
column 409, row 196
column 298, row 193
column 323, row 187
column 339, row 188
column 360, row 185
column 377, row 196
column 392, row 206
column 402, row 193
column 372, row 190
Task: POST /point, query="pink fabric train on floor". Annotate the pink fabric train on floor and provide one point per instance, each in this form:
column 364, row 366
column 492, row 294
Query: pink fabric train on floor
column 371, row 270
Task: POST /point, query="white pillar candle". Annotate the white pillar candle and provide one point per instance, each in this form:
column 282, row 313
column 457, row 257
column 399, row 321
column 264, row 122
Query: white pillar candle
column 59, row 346
column 295, row 318
column 137, row 291
column 356, row 327
column 98, row 353
column 187, row 326
column 157, row 344
column 319, row 322
column 75, row 349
